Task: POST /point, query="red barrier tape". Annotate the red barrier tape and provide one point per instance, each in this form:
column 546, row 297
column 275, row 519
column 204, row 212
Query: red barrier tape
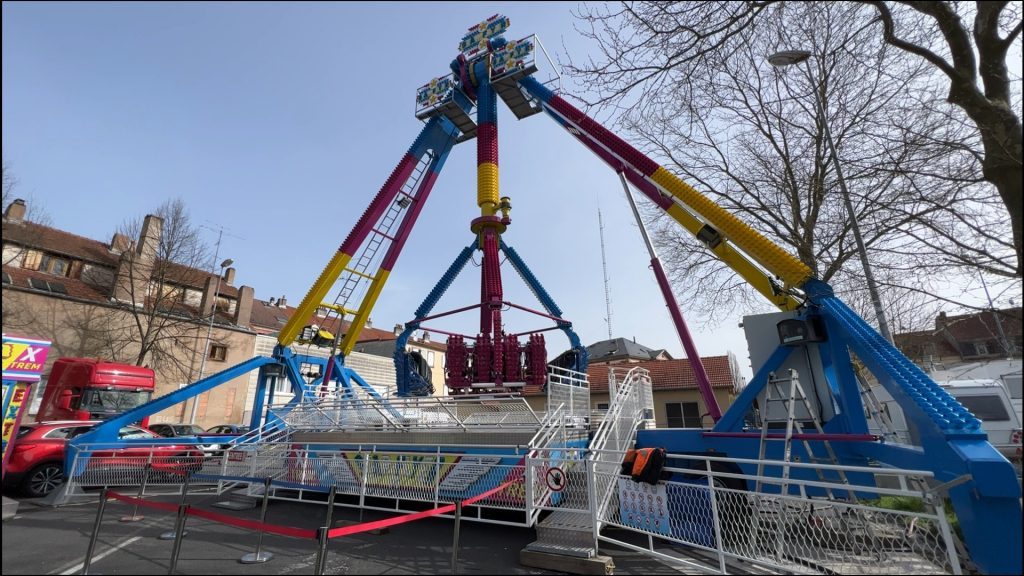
column 158, row 505
column 254, row 524
column 480, row 497
column 304, row 533
column 367, row 526
column 348, row 530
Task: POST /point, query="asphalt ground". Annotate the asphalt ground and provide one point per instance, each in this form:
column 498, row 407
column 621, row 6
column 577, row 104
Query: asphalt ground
column 47, row 540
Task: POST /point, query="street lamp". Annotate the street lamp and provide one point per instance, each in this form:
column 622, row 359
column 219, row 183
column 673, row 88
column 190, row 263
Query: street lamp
column 788, row 58
column 209, row 334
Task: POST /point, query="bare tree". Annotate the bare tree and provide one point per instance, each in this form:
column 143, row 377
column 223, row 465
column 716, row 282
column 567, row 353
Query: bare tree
column 654, row 50
column 156, row 315
column 751, row 138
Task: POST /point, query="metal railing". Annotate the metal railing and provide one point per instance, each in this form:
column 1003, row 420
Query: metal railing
column 706, row 518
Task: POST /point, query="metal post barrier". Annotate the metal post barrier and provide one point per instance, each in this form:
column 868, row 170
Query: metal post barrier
column 595, row 521
column 179, row 535
column 455, row 542
column 321, row 555
column 95, row 531
column 259, row 556
column 135, row 516
column 321, row 551
column 184, row 493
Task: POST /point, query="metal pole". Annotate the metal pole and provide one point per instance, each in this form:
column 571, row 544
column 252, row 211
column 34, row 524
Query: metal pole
column 95, row 531
column 209, row 330
column 184, row 494
column 259, row 556
column 322, row 536
column 876, row 300
column 135, row 516
column 179, row 535
column 455, row 542
column 716, row 517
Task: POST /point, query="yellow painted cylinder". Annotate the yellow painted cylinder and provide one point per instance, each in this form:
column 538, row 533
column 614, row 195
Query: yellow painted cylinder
column 487, row 188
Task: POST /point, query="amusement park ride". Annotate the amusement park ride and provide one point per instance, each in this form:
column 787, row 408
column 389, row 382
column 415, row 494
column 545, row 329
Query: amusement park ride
column 815, row 331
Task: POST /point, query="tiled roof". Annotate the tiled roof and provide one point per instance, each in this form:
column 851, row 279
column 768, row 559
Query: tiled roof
column 915, row 345
column 665, row 374
column 270, row 319
column 621, row 348
column 45, row 238
column 75, row 288
column 980, row 325
column 58, row 241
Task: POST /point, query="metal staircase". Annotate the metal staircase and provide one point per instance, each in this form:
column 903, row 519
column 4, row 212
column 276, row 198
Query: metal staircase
column 569, row 529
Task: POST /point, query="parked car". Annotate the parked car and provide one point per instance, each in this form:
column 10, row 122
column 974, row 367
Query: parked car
column 36, row 464
column 228, row 429
column 188, row 433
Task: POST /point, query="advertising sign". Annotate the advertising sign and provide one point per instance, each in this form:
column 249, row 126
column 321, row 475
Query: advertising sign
column 23, row 362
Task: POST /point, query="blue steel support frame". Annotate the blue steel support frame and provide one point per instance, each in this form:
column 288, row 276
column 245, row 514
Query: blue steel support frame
column 106, row 433
column 545, row 299
column 403, row 385
column 952, row 441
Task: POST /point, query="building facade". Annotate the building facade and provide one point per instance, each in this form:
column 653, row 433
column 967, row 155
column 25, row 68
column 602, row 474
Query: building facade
column 111, row 300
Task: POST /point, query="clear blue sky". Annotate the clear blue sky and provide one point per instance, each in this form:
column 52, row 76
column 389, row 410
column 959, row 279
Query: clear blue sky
column 279, row 122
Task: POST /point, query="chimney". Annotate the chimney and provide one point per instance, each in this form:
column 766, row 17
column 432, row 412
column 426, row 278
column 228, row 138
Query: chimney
column 229, row 276
column 120, row 243
column 243, row 309
column 426, row 336
column 271, row 301
column 282, row 303
column 15, row 210
column 209, row 296
column 135, row 268
column 941, row 320
column 398, row 329
column 369, row 322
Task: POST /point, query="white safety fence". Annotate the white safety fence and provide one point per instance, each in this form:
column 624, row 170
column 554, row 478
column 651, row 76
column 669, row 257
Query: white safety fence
column 708, row 518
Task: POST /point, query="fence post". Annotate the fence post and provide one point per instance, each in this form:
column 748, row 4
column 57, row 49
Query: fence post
column 716, row 517
column 95, row 531
column 595, row 506
column 528, row 488
column 135, row 516
column 173, row 535
column 179, row 535
column 259, row 556
column 322, row 534
column 455, row 542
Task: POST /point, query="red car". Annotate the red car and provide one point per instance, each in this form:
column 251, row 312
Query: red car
column 36, row 464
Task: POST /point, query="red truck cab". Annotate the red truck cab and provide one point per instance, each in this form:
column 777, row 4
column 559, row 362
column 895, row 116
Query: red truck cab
column 93, row 389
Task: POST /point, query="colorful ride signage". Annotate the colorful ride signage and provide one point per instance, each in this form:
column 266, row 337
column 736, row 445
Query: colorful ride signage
column 24, row 360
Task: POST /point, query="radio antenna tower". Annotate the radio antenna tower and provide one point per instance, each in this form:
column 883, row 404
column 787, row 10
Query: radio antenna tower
column 604, row 270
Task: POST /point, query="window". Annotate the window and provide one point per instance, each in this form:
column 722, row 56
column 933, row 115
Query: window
column 430, row 358
column 602, row 406
column 218, row 352
column 683, row 414
column 7, row 278
column 169, row 293
column 980, row 348
column 54, row 265
column 55, row 287
column 987, row 408
column 223, row 304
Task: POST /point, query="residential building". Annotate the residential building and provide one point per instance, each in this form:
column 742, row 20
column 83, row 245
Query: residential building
column 677, row 400
column 89, row 298
column 976, row 337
